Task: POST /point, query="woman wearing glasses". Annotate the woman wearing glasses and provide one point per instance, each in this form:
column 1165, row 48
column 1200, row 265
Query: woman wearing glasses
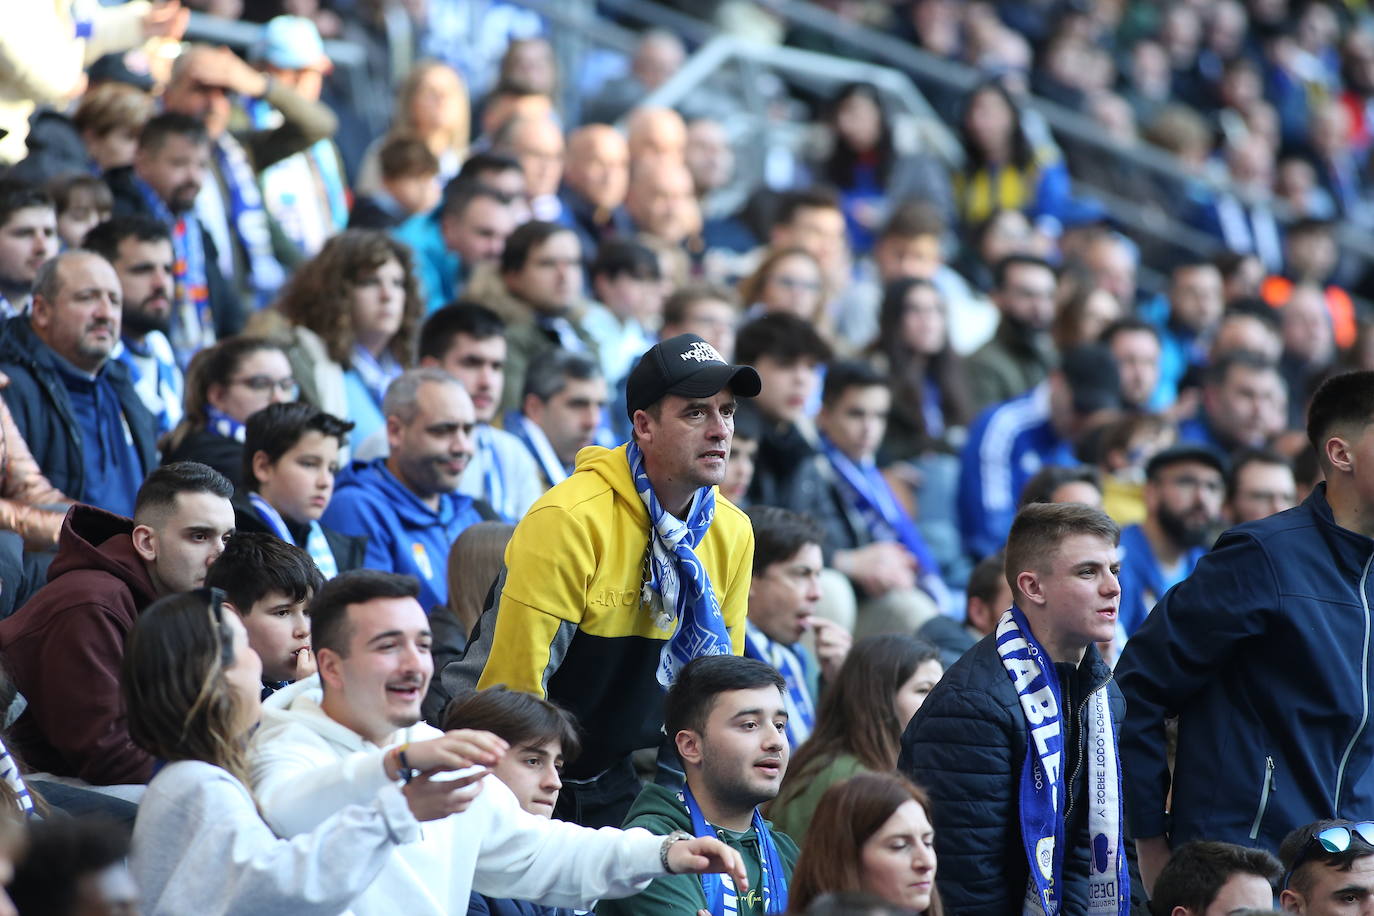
column 192, row 686
column 225, row 385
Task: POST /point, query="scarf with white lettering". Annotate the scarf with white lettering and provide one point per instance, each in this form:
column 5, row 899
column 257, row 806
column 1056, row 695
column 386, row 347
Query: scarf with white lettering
column 1043, row 790
column 678, row 584
column 722, row 898
column 248, row 219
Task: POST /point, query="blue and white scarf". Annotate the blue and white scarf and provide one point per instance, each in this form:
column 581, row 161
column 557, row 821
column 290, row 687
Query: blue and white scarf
column 193, row 323
column 248, row 219
column 539, row 446
column 316, row 544
column 1043, row 788
column 306, row 193
column 376, row 373
column 678, row 584
column 801, row 709
column 220, row 423
column 721, row 896
column 868, row 491
column 493, row 474
column 155, row 375
column 9, row 772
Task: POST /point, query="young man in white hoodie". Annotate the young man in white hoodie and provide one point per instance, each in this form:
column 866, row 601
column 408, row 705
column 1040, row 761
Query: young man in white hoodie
column 325, row 743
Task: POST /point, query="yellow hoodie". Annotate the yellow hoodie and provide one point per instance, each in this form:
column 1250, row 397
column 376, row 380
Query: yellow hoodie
column 571, row 627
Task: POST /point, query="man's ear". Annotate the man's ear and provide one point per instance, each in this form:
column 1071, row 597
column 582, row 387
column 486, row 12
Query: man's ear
column 394, row 428
column 532, row 407
column 330, row 667
column 1338, row 454
column 145, row 543
column 689, row 746
column 642, row 424
column 1029, row 585
column 1290, row 901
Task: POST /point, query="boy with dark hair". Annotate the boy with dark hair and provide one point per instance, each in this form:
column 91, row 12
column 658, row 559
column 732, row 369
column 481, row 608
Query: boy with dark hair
column 468, row 341
column 628, row 286
column 783, row 595
column 786, row 352
column 290, row 460
column 28, row 238
column 542, row 736
column 874, row 539
column 270, row 583
column 1257, row 620
column 728, row 720
column 1205, row 877
column 409, row 185
column 1326, row 866
column 1026, row 723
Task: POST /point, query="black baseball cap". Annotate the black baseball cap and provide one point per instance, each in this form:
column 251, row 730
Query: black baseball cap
column 1197, row 452
column 688, row 366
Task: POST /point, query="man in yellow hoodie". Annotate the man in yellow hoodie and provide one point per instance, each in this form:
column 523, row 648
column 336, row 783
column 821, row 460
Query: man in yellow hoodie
column 624, row 572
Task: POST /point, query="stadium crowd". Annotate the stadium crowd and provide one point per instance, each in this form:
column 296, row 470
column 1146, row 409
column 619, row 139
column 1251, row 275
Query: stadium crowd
column 441, row 483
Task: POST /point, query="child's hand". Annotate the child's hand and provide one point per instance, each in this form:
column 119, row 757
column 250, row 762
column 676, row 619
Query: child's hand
column 305, row 663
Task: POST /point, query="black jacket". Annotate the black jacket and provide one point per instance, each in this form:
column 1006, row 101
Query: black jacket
column 224, row 301
column 349, row 551
column 966, row 747
column 1264, row 654
column 210, row 448
column 790, row 473
column 43, row 411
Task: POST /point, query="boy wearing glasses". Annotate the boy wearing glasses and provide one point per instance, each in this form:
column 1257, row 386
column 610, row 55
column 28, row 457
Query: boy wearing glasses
column 1264, row 655
column 1328, row 868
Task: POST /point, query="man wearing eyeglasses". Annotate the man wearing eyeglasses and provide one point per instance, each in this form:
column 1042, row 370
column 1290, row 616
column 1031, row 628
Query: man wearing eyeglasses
column 1183, row 493
column 75, row 407
column 1264, row 654
column 1328, row 869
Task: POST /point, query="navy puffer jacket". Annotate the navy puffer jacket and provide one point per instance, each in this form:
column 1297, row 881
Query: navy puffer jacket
column 966, row 747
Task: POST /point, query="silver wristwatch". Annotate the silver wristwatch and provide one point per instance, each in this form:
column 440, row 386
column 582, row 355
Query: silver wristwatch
column 668, row 841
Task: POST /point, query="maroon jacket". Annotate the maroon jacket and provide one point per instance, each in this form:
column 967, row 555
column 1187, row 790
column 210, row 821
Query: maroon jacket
column 64, row 649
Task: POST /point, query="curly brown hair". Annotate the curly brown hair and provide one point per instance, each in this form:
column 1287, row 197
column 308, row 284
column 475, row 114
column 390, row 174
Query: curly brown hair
column 316, row 292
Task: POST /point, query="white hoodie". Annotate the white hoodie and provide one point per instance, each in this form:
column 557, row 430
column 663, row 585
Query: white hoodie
column 305, row 766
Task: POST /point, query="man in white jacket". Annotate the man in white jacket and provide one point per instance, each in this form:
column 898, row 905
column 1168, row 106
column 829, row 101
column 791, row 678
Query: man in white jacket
column 327, row 743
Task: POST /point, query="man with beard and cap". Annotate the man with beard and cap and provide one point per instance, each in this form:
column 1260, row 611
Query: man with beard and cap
column 140, row 250
column 170, row 166
column 75, row 407
column 623, row 573
column 1184, row 489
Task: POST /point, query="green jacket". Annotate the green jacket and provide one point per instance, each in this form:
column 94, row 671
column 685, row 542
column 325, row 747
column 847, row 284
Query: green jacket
column 658, row 810
column 794, row 817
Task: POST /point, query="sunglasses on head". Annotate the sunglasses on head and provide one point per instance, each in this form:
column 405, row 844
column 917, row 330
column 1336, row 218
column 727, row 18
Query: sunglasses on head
column 1333, row 840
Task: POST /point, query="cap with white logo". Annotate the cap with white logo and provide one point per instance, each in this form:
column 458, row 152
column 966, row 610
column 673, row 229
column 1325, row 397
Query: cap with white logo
column 687, row 366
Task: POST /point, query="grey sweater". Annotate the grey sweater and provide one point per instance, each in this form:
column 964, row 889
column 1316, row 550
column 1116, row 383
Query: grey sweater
column 201, row 847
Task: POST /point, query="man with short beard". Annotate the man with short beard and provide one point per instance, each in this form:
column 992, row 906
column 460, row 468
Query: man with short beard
column 75, row 407
column 1184, row 489
column 169, row 169
column 407, row 504
column 728, row 720
column 140, row 250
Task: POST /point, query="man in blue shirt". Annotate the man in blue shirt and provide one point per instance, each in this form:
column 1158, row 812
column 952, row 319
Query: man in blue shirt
column 408, row 504
column 1244, row 404
column 1184, row 487
column 87, row 427
column 1010, row 441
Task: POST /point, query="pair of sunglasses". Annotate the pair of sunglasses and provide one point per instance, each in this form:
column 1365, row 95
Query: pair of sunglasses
column 1333, row 840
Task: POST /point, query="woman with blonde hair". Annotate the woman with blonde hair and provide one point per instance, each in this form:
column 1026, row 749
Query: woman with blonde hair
column 354, row 309
column 788, row 280
column 432, row 104
column 871, row 833
column 192, row 686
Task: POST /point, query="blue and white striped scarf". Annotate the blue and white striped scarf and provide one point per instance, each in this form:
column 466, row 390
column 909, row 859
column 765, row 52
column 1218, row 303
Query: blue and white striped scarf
column 1044, row 787
column 316, row 544
column 801, row 709
column 677, row 578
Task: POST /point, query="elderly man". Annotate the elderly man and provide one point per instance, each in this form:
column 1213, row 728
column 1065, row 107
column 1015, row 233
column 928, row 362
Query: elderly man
column 595, row 182
column 662, row 202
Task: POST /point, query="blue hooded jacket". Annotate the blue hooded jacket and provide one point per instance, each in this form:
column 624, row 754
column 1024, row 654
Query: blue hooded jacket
column 1264, row 655
column 403, row 534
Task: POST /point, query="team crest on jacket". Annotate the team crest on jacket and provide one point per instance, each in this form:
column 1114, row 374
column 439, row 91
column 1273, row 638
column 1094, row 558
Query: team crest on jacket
column 417, row 551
